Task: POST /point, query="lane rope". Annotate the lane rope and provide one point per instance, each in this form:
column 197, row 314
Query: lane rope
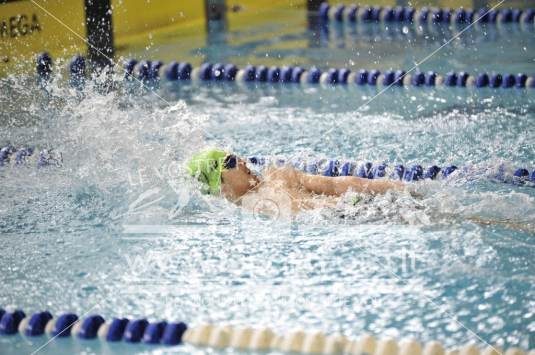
column 423, row 16
column 147, row 70
column 24, row 156
column 137, row 331
column 415, row 172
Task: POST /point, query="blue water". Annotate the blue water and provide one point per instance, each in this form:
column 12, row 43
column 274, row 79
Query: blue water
column 120, row 230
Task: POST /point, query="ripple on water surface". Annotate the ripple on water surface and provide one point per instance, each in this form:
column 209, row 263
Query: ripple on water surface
column 398, row 265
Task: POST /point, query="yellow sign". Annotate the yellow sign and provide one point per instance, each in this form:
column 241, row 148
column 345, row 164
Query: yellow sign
column 140, row 25
column 29, row 27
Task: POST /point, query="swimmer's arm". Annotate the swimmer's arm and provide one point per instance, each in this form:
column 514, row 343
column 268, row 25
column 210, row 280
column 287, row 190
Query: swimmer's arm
column 336, row 186
column 522, row 227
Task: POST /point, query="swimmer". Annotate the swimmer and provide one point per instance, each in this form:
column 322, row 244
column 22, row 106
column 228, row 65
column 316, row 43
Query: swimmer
column 226, row 174
column 222, row 173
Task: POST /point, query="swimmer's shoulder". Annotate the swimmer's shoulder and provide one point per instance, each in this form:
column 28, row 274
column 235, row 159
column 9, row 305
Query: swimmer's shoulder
column 282, row 173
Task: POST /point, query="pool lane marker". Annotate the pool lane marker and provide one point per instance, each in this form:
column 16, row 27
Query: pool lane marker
column 415, row 172
column 9, row 156
column 136, row 331
column 146, row 71
column 422, row 16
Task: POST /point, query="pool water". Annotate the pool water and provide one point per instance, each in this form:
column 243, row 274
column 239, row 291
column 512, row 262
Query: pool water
column 120, row 230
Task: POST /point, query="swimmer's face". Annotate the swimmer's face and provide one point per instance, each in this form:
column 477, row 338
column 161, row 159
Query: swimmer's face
column 237, row 179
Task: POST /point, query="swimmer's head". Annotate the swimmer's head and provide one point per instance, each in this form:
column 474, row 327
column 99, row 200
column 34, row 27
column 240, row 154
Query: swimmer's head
column 207, row 167
column 222, row 172
column 236, row 178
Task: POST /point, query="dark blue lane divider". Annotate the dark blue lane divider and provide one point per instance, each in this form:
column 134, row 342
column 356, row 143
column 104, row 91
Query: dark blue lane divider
column 146, row 71
column 244, row 339
column 91, row 327
column 415, row 172
column 355, row 13
column 10, row 156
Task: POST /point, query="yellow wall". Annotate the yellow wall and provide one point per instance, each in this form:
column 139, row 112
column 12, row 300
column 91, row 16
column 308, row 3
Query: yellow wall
column 364, row 3
column 181, row 40
column 26, row 30
column 452, row 4
column 136, row 24
column 266, row 18
column 241, row 13
column 259, row 5
column 134, row 18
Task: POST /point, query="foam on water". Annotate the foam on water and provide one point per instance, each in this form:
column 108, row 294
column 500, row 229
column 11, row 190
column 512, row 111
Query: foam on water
column 74, row 236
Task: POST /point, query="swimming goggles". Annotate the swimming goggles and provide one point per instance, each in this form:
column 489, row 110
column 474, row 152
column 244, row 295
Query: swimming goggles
column 230, row 162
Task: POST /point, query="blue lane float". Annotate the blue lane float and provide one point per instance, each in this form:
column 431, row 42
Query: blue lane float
column 173, row 333
column 90, row 326
column 62, row 326
column 10, row 321
column 44, row 65
column 153, row 333
column 116, row 329
column 424, row 15
column 37, row 323
column 134, row 330
column 77, row 70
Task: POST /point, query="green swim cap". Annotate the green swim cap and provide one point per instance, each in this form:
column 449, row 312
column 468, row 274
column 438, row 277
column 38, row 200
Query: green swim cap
column 207, row 167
